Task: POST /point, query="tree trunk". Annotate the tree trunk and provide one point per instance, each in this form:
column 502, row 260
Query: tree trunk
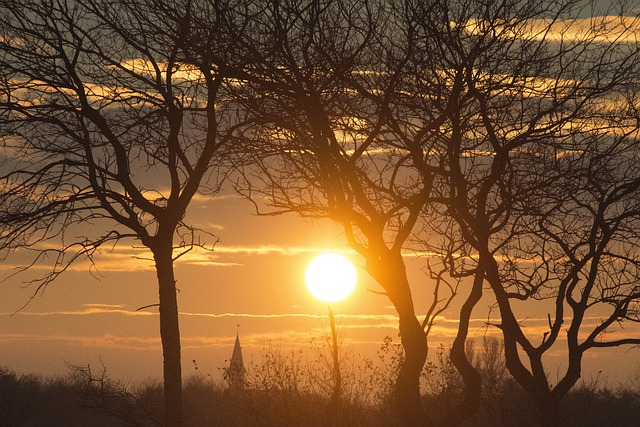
column 391, row 274
column 170, row 335
column 470, row 376
column 548, row 406
column 414, row 343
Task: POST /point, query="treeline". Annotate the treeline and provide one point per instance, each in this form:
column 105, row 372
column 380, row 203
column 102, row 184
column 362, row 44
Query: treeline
column 287, row 388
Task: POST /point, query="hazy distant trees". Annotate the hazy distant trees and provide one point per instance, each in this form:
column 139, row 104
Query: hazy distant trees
column 107, row 134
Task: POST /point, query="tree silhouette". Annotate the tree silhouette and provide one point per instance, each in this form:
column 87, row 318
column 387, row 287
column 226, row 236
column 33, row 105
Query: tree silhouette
column 107, row 135
column 318, row 84
column 537, row 152
column 449, row 126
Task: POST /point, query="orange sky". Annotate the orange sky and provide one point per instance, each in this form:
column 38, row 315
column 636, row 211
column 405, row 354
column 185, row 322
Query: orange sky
column 254, row 279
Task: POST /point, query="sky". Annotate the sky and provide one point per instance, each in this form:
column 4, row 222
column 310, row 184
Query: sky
column 251, row 284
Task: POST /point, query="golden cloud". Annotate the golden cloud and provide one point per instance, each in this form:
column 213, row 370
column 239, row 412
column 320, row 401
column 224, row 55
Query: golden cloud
column 100, row 341
column 598, row 29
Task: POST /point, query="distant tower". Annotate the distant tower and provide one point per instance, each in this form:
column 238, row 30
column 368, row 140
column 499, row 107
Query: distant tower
column 236, row 367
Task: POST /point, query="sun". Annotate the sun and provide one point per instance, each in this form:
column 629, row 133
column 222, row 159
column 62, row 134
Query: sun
column 330, row 277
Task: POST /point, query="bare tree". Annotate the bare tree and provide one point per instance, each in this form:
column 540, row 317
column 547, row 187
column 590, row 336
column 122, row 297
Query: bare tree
column 110, row 124
column 318, row 83
column 446, row 123
column 538, row 152
column 574, row 252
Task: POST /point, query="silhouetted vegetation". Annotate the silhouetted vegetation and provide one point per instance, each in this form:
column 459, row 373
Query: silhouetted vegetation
column 289, row 387
column 498, row 139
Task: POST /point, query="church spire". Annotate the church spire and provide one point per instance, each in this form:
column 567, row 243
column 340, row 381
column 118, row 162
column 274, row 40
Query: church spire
column 236, row 367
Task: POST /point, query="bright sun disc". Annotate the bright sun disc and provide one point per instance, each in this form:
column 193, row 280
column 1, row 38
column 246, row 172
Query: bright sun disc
column 330, row 277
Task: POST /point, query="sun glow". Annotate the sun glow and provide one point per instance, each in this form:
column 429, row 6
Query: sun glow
column 330, row 277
